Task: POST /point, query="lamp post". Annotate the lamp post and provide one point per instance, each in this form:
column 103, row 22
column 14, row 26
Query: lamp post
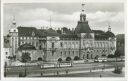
column 25, row 71
column 5, row 68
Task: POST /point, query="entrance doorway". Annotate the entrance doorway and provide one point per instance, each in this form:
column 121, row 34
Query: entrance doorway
column 40, row 59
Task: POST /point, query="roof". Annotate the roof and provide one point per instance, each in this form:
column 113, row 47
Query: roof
column 98, row 32
column 31, row 31
column 27, row 47
column 27, row 31
column 101, row 37
column 83, row 27
column 51, row 32
column 41, row 33
column 110, row 34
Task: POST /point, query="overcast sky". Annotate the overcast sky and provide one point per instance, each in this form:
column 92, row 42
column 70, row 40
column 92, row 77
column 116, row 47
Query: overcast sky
column 38, row 15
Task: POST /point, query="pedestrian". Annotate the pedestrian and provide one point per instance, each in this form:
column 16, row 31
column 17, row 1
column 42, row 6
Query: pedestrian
column 41, row 74
column 100, row 76
column 66, row 71
column 90, row 70
column 102, row 69
column 57, row 73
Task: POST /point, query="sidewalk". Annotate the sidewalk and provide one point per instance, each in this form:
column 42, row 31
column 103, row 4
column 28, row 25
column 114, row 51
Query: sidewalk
column 73, row 72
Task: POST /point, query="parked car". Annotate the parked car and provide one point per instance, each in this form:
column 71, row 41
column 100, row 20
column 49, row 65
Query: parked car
column 101, row 60
column 96, row 60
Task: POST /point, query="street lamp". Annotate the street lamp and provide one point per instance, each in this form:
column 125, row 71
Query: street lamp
column 5, row 68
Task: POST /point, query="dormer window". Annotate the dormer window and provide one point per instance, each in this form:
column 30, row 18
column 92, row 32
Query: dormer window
column 33, row 33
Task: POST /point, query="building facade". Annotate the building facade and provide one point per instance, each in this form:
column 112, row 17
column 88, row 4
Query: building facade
column 50, row 44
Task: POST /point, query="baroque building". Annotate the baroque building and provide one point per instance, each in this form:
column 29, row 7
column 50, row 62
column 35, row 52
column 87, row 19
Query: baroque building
column 50, row 44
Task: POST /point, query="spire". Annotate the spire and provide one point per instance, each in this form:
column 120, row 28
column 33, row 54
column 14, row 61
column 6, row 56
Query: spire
column 50, row 20
column 83, row 15
column 109, row 27
column 14, row 22
column 83, row 7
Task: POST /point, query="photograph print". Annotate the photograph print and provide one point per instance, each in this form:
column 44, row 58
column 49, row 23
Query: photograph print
column 83, row 39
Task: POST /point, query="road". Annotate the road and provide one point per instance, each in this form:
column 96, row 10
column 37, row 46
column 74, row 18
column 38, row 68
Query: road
column 36, row 70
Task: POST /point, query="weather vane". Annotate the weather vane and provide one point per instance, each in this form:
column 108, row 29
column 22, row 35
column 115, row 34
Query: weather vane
column 83, row 6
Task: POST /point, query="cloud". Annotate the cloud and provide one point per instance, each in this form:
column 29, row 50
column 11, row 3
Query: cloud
column 39, row 17
column 100, row 16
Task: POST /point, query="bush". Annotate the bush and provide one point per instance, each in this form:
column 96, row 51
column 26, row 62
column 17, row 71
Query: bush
column 68, row 59
column 111, row 56
column 60, row 60
column 103, row 55
column 118, row 70
column 21, row 74
column 76, row 58
column 25, row 57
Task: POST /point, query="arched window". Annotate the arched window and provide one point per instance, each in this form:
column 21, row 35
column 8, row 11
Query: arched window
column 40, row 59
column 61, row 44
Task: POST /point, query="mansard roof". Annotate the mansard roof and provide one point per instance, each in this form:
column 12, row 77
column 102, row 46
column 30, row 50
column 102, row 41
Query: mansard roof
column 51, row 32
column 83, row 27
column 101, row 35
column 27, row 31
column 32, row 31
column 98, row 32
column 110, row 34
column 41, row 33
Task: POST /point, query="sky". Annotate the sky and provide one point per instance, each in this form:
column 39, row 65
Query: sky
column 99, row 15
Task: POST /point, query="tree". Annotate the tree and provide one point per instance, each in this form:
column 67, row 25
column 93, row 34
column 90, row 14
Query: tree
column 25, row 57
column 117, row 53
column 60, row 60
column 68, row 59
column 120, row 39
column 76, row 58
column 111, row 56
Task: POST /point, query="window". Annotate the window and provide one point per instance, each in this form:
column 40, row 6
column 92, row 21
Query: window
column 20, row 37
column 73, row 52
column 69, row 52
column 61, row 53
column 65, row 53
column 61, row 44
column 25, row 37
column 69, row 43
column 6, row 53
column 101, row 44
column 40, row 47
column 52, row 45
column 36, row 43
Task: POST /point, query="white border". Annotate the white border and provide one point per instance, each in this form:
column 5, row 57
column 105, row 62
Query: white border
column 58, row 78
